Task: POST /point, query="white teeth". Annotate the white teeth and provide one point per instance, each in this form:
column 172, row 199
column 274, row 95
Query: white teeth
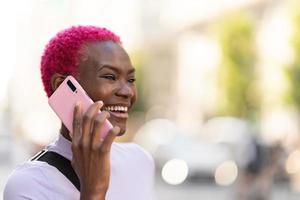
column 116, row 108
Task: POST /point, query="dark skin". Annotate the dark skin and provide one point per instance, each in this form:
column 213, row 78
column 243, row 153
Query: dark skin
column 105, row 72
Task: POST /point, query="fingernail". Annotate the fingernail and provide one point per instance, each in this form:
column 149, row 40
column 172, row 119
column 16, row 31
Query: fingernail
column 100, row 103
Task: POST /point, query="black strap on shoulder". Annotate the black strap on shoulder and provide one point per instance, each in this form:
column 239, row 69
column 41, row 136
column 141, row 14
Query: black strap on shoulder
column 61, row 163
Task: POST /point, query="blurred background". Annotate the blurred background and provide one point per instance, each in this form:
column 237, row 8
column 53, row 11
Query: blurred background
column 218, row 82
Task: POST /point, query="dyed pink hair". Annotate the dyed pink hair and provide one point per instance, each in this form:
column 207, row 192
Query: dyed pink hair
column 61, row 54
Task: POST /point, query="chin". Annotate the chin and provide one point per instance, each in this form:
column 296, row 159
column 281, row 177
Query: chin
column 122, row 131
column 121, row 125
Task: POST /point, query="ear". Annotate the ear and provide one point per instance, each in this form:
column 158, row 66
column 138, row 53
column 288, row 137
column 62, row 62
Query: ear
column 56, row 80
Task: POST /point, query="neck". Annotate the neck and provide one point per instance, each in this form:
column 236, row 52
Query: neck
column 65, row 132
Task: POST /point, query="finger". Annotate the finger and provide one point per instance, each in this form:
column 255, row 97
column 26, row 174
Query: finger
column 108, row 140
column 99, row 124
column 77, row 123
column 88, row 119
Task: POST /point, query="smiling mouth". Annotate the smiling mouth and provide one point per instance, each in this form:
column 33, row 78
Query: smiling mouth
column 117, row 111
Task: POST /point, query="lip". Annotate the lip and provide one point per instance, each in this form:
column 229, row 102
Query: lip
column 119, row 114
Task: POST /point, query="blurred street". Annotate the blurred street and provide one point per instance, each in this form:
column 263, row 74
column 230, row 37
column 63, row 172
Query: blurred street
column 204, row 190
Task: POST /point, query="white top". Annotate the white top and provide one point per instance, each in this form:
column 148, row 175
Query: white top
column 132, row 176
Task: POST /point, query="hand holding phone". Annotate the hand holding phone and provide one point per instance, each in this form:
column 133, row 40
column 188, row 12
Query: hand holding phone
column 91, row 155
column 64, row 99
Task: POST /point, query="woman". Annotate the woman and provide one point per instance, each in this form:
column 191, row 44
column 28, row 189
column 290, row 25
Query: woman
column 105, row 169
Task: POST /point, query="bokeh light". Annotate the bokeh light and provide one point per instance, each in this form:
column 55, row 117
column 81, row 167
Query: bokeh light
column 293, row 162
column 175, row 171
column 226, row 173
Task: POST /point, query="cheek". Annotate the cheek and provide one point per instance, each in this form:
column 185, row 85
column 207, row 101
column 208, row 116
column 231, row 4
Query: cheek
column 102, row 93
column 135, row 96
column 99, row 91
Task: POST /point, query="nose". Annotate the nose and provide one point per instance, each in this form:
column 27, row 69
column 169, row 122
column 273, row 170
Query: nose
column 125, row 90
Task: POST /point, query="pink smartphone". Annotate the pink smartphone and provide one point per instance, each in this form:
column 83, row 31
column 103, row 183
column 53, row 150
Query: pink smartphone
column 63, row 101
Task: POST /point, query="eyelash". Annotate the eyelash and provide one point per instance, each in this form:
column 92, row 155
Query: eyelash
column 113, row 78
column 132, row 80
column 110, row 77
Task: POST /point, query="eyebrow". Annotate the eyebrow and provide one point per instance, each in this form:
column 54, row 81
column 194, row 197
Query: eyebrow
column 111, row 67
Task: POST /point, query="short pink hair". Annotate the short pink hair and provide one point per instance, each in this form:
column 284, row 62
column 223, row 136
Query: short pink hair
column 61, row 54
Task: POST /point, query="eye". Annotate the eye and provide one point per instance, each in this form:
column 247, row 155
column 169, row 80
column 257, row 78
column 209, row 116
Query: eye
column 132, row 80
column 109, row 77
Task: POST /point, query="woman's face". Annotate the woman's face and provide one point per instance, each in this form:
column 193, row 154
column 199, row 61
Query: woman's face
column 106, row 73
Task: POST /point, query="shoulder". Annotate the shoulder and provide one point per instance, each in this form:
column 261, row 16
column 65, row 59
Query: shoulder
column 134, row 151
column 142, row 151
column 38, row 180
column 28, row 181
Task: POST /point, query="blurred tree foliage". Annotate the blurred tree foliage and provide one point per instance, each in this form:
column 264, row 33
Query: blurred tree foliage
column 138, row 63
column 239, row 95
column 293, row 70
